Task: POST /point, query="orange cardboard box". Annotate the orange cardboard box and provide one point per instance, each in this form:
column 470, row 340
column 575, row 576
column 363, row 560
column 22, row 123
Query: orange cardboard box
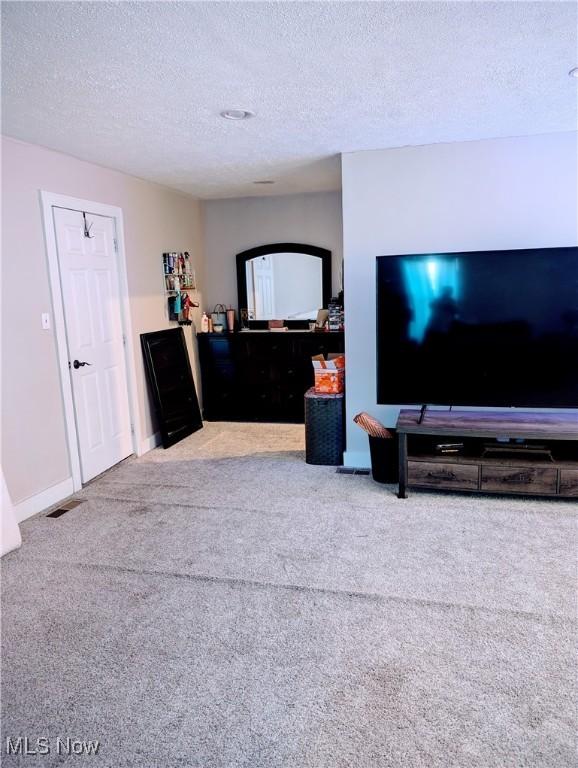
column 329, row 374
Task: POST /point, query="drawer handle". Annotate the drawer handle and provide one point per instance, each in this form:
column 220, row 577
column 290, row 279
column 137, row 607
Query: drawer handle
column 442, row 474
column 519, row 477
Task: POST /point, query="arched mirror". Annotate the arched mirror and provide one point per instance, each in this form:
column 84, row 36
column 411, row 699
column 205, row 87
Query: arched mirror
column 283, row 281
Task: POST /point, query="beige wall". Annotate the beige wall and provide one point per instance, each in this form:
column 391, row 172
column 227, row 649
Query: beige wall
column 156, row 219
column 233, row 225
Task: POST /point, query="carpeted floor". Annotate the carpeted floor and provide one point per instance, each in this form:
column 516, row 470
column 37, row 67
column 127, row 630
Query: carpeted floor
column 223, row 604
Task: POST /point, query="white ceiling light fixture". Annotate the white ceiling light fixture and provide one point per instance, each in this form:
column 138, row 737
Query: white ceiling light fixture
column 574, row 72
column 237, row 114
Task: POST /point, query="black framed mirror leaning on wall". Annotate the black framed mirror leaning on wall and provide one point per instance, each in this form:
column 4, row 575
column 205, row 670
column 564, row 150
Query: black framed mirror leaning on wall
column 283, row 281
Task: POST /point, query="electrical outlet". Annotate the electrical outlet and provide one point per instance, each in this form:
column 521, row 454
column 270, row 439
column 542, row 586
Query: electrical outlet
column 45, row 321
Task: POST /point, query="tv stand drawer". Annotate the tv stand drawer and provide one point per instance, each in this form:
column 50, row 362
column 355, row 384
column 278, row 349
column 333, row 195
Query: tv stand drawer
column 520, row 479
column 569, row 482
column 433, row 474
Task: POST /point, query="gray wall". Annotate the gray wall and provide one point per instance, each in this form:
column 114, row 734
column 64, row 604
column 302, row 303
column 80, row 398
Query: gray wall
column 233, row 225
column 494, row 194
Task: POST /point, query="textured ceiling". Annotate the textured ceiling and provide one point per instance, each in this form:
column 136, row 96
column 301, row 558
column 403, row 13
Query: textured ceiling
column 139, row 86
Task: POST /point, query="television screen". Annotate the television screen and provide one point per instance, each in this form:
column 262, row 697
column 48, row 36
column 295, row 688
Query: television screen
column 487, row 328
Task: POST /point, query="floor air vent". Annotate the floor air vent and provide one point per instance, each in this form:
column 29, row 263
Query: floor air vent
column 351, row 471
column 66, row 507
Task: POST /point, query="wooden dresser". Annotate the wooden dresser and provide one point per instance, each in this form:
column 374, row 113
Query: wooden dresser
column 260, row 375
column 540, row 459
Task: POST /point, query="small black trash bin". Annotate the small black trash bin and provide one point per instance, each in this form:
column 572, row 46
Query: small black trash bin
column 384, row 458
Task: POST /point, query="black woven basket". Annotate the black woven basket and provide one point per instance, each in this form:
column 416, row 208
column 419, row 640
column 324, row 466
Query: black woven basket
column 324, row 428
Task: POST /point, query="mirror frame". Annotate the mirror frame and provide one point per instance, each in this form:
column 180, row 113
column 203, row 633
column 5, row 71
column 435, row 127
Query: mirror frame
column 265, row 250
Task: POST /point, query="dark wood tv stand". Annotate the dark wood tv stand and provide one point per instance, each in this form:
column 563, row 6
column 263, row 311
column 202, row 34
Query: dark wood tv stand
column 523, row 472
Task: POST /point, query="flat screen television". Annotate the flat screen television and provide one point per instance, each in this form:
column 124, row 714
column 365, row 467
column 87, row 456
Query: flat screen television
column 485, row 328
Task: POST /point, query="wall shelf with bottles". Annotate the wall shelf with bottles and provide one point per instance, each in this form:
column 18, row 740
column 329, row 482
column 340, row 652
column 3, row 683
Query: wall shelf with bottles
column 179, row 282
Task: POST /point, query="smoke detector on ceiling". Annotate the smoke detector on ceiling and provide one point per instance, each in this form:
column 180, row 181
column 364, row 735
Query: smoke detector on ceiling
column 237, row 114
column 574, row 72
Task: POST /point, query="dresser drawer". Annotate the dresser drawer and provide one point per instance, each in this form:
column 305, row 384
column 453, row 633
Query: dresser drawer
column 220, row 347
column 266, row 348
column 438, row 475
column 569, row 482
column 317, row 344
column 519, row 479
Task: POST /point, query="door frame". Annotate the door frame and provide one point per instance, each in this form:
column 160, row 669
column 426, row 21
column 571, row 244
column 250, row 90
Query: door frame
column 48, row 201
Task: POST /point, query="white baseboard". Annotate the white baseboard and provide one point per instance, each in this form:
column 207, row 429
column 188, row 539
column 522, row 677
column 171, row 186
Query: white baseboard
column 43, row 500
column 149, row 443
column 357, row 459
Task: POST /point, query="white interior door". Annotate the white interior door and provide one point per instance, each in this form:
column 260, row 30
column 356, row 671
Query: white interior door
column 91, row 297
column 264, row 286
